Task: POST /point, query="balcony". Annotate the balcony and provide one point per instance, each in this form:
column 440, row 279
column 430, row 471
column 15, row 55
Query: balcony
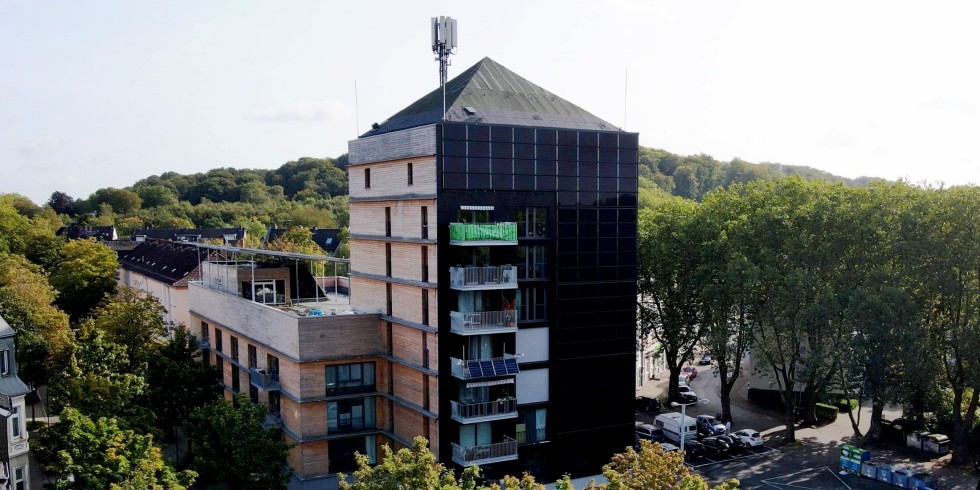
column 203, row 344
column 482, row 234
column 484, row 368
column 490, row 453
column 263, row 380
column 483, row 278
column 471, row 413
column 483, row 322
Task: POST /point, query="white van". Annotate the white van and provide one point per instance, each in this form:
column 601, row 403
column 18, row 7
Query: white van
column 675, row 425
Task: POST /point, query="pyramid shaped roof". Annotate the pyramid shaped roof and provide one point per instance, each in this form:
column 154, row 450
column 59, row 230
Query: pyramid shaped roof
column 489, row 93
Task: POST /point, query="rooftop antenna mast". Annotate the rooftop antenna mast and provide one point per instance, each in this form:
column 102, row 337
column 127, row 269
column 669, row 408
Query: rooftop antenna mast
column 443, row 45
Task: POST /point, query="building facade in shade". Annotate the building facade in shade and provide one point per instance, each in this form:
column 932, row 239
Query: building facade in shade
column 15, row 471
column 498, row 243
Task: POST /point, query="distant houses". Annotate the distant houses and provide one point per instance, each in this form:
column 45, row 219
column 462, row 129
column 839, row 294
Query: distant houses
column 328, row 239
column 162, row 269
column 224, row 236
column 100, row 233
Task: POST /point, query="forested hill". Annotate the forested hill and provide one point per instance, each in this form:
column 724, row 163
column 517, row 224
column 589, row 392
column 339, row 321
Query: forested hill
column 313, row 192
column 691, row 177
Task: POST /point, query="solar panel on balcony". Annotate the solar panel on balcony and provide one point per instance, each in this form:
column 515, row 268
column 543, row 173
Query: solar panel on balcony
column 511, row 366
column 474, row 369
column 499, row 368
column 487, row 367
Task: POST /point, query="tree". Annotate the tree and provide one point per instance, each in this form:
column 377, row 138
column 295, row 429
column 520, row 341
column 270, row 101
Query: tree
column 229, row 444
column 178, row 382
column 669, row 293
column 133, row 319
column 62, row 203
column 84, row 274
column 652, row 467
column 26, row 304
column 13, row 227
column 120, row 201
column 100, row 380
column 79, row 452
column 414, row 467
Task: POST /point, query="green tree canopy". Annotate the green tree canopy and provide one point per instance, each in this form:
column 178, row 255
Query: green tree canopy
column 79, row 452
column 83, row 275
column 230, row 445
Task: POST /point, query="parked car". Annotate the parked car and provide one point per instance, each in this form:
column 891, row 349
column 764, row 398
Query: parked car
column 683, row 379
column 716, row 446
column 668, row 447
column 694, row 450
column 649, row 432
column 709, row 426
column 705, row 359
column 751, row 437
column 734, row 443
column 686, row 394
column 647, row 404
column 691, row 371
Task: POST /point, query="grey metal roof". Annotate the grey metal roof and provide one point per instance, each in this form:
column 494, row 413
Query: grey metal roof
column 5, row 329
column 489, row 93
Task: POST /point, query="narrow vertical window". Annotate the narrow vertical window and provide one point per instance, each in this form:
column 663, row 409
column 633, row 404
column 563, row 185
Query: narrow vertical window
column 367, row 178
column 410, row 176
column 236, row 385
column 425, row 264
column 388, row 221
column 218, row 344
column 388, row 308
column 388, row 259
column 234, row 348
column 15, row 420
column 391, row 340
column 425, row 222
column 425, row 349
column 253, row 358
column 5, row 362
column 425, row 307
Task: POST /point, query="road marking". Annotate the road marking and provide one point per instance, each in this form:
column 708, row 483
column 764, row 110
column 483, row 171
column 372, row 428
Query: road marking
column 838, row 477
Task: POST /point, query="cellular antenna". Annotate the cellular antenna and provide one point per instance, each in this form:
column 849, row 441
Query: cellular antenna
column 443, row 45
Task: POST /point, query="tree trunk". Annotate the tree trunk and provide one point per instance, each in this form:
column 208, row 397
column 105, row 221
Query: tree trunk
column 726, row 402
column 790, row 420
column 958, row 439
column 855, row 421
column 877, row 408
column 809, row 406
column 672, row 386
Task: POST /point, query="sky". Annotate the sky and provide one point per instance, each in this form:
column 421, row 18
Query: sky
column 104, row 93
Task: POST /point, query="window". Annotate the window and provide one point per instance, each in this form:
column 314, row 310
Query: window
column 236, row 381
column 532, row 303
column 531, row 426
column 425, row 347
column 387, row 221
column 234, row 347
column 15, row 421
column 388, row 303
column 425, row 222
column 425, row 307
column 272, row 366
column 367, row 178
column 19, row 483
column 342, row 451
column 275, row 403
column 351, row 414
column 532, row 262
column 253, row 393
column 5, row 362
column 205, row 334
column 532, row 222
column 410, row 177
column 219, row 364
column 266, row 292
column 425, row 264
column 349, row 378
column 253, row 361
column 388, row 259
column 218, row 344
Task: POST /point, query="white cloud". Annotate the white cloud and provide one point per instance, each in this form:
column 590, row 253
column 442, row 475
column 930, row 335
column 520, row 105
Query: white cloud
column 303, row 111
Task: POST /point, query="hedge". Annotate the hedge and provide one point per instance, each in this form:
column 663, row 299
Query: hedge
column 826, row 412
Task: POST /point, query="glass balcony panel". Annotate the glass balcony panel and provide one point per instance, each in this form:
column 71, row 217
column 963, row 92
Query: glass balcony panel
column 486, row 454
column 470, row 413
column 481, row 234
column 263, row 380
column 481, row 278
column 483, row 322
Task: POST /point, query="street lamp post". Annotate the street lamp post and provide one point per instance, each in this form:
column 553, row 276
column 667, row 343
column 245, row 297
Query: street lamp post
column 684, row 417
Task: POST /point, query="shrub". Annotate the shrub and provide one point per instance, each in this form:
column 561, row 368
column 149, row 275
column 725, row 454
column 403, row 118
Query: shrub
column 826, row 412
column 845, row 404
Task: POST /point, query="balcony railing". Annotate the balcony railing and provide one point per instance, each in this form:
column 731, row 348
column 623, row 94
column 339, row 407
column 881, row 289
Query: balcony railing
column 471, row 413
column 483, row 322
column 485, row 368
column 263, row 380
column 490, row 453
column 478, row 234
column 479, row 278
column 203, row 344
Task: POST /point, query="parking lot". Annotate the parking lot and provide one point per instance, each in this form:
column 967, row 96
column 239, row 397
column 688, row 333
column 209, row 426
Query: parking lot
column 751, row 452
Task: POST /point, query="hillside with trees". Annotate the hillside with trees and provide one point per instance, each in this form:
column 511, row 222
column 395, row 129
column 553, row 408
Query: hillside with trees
column 312, row 192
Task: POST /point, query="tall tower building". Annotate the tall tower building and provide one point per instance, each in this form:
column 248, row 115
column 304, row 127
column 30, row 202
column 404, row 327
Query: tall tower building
column 498, row 243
